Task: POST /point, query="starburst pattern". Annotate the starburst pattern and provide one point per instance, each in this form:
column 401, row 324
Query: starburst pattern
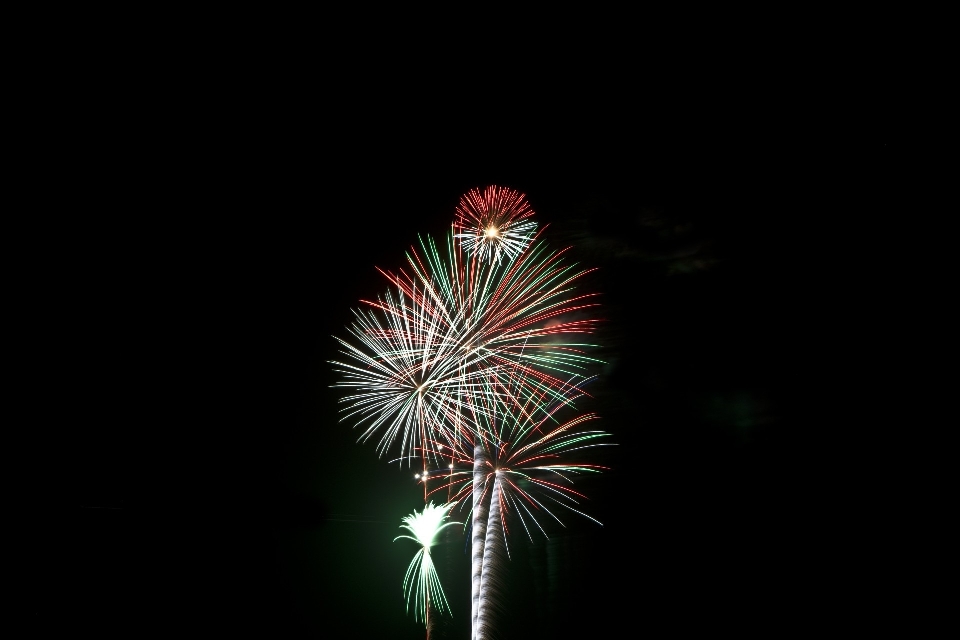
column 449, row 333
column 401, row 375
column 494, row 224
column 531, row 461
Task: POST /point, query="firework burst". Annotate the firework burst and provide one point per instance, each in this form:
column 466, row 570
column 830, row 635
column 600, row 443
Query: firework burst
column 519, row 317
column 437, row 347
column 523, row 469
column 530, row 462
column 421, row 584
column 403, row 374
column 494, row 224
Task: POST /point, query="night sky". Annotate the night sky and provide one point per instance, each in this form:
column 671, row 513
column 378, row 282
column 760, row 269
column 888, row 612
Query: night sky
column 206, row 483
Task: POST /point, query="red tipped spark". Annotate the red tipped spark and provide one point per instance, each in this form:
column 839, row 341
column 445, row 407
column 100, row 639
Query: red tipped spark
column 494, row 224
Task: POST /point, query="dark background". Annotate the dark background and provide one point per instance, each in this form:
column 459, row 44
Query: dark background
column 224, row 221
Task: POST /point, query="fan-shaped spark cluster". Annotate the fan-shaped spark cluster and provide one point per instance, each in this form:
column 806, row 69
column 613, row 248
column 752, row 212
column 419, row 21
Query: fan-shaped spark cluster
column 530, row 464
column 421, row 585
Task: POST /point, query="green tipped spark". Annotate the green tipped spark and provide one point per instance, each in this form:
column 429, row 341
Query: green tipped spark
column 421, row 583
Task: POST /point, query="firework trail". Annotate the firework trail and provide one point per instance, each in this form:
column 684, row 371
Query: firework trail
column 531, row 459
column 526, row 473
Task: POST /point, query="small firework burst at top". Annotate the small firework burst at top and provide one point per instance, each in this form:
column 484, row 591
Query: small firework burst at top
column 494, row 223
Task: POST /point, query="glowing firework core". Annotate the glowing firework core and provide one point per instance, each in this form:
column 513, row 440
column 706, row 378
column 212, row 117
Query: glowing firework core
column 494, row 224
column 426, row 524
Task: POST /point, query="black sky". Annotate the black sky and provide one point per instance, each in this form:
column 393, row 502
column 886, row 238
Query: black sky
column 222, row 238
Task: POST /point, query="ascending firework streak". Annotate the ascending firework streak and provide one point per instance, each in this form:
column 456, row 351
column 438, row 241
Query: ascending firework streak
column 421, row 583
column 477, row 331
column 527, row 470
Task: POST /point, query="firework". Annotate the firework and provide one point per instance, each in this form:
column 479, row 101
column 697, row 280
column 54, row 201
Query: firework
column 523, row 470
column 530, row 459
column 519, row 314
column 495, row 224
column 421, row 585
column 403, row 374
column 450, row 332
column 464, row 363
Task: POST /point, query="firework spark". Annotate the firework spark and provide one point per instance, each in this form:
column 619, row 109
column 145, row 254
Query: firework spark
column 449, row 333
column 403, row 374
column 421, row 585
column 495, row 224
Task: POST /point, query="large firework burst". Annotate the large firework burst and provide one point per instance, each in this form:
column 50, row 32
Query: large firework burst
column 450, row 331
column 404, row 375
